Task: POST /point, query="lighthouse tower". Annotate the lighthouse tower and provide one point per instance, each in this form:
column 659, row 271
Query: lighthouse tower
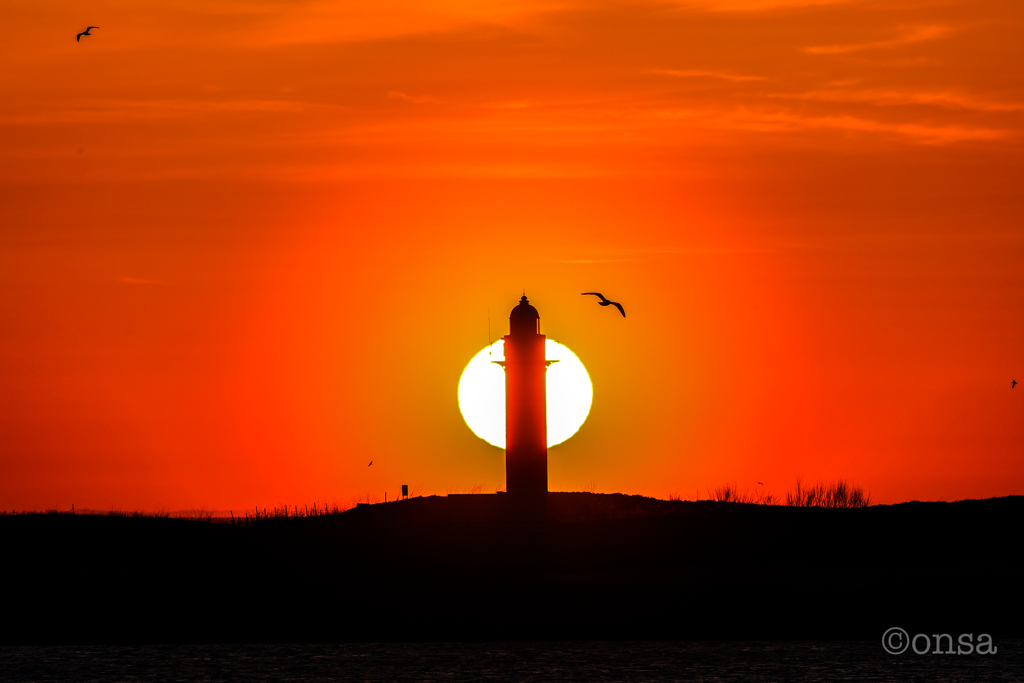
column 526, row 425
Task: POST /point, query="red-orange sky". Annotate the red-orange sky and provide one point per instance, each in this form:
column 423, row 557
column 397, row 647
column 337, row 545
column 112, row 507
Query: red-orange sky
column 247, row 247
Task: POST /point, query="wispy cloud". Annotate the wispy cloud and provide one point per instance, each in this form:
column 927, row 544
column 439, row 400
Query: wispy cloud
column 137, row 281
column 918, row 132
column 585, row 261
column 415, row 99
column 514, row 104
column 760, row 5
column 635, row 255
column 948, row 98
column 770, row 121
column 131, row 110
column 704, row 73
column 716, row 250
column 916, row 35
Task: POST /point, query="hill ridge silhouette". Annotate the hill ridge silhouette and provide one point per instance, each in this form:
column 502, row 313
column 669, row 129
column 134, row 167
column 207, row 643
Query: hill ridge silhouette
column 463, row 567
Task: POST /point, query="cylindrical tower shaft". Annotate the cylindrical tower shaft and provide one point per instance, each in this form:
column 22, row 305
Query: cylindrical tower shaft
column 526, row 431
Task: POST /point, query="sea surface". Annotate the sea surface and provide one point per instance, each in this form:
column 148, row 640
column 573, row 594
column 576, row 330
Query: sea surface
column 500, row 662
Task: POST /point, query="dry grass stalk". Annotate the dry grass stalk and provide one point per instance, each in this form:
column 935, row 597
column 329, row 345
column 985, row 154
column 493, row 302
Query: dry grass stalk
column 834, row 494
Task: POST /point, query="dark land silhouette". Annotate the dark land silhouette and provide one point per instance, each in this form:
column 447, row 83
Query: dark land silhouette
column 470, row 567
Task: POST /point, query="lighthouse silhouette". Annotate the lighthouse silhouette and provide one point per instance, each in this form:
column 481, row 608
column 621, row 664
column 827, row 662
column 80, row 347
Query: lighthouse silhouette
column 526, row 421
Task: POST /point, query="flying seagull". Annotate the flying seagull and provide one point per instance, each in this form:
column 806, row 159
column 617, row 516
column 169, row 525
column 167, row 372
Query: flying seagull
column 78, row 38
column 760, row 483
column 371, row 462
column 606, row 302
column 1014, row 384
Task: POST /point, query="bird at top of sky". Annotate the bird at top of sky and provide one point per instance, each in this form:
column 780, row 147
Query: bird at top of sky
column 606, row 302
column 371, row 462
column 760, row 483
column 78, row 38
column 1014, row 384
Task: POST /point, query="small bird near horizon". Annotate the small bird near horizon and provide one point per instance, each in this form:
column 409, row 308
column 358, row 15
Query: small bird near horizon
column 78, row 38
column 1014, row 384
column 605, row 302
column 760, row 483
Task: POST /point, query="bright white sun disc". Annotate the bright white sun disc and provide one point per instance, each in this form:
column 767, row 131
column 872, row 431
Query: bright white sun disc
column 482, row 394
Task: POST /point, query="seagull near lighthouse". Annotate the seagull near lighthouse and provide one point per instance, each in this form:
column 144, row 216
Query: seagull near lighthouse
column 605, row 302
column 78, row 38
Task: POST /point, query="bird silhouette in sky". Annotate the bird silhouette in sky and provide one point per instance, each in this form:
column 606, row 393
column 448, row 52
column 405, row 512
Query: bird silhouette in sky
column 1014, row 384
column 371, row 462
column 78, row 38
column 760, row 483
column 606, row 302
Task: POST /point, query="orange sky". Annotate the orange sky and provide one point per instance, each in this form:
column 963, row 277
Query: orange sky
column 247, row 247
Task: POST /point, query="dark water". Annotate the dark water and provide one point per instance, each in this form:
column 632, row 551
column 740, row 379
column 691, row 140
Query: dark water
column 499, row 662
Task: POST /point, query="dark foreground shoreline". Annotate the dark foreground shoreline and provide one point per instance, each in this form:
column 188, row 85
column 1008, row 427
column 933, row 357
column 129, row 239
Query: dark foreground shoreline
column 469, row 568
column 553, row 662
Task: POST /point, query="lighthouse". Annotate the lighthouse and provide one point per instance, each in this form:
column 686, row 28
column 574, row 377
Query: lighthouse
column 526, row 424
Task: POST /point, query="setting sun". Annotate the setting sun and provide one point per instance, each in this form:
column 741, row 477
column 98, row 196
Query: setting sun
column 482, row 394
